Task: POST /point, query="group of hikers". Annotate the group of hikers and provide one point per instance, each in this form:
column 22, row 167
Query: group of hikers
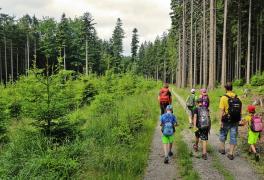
column 199, row 120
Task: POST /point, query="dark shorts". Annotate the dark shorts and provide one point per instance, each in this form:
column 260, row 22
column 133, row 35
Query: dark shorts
column 202, row 134
column 163, row 107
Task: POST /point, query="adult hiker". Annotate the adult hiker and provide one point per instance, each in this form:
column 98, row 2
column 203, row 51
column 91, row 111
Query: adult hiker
column 164, row 98
column 202, row 125
column 255, row 127
column 230, row 106
column 190, row 104
column 168, row 121
column 205, row 98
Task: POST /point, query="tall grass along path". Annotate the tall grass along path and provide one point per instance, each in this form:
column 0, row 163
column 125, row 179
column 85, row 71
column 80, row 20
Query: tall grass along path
column 238, row 168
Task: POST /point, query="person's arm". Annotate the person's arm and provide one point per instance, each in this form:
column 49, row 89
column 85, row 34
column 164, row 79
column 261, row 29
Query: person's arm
column 222, row 111
column 195, row 120
column 170, row 99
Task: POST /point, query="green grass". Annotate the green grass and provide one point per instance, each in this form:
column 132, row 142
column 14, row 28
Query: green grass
column 183, row 154
column 218, row 165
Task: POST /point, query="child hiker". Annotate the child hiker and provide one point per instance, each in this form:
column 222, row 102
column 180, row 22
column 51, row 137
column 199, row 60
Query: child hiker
column 168, row 122
column 202, row 125
column 254, row 130
column 190, row 104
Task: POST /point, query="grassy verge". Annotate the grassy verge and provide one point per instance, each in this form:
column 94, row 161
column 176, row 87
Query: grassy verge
column 184, row 160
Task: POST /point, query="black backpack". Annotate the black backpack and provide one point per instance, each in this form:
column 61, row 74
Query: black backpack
column 234, row 109
column 203, row 120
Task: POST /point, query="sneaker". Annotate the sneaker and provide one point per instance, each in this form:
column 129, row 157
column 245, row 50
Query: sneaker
column 170, row 154
column 230, row 156
column 221, row 151
column 166, row 160
column 257, row 157
column 204, row 156
column 195, row 147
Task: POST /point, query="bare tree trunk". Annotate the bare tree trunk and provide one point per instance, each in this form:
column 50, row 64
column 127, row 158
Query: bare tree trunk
column 201, row 59
column 64, row 58
column 11, row 59
column 6, row 76
column 157, row 73
column 239, row 41
column 25, row 65
column 28, row 62
column 223, row 78
column 205, row 73
column 195, row 58
column 211, row 49
column 191, row 50
column 17, row 64
column 183, row 69
column 260, row 48
column 214, row 67
column 86, row 56
column 249, row 41
column 1, row 69
column 179, row 63
column 257, row 50
column 164, row 71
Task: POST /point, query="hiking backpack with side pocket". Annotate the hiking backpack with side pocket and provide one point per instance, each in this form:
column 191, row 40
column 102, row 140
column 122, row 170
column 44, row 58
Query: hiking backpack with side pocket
column 168, row 129
column 164, row 95
column 234, row 109
column 190, row 102
column 203, row 118
column 256, row 124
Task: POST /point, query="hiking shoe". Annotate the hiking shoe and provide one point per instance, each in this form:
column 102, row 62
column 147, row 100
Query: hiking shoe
column 166, row 160
column 204, row 156
column 221, row 151
column 195, row 147
column 257, row 157
column 191, row 125
column 230, row 156
column 170, row 154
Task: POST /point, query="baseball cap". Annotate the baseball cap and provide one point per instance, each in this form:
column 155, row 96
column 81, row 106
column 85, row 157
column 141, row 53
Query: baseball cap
column 193, row 91
column 169, row 107
column 251, row 109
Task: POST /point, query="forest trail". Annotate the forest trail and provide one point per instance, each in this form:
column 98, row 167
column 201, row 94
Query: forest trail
column 239, row 168
column 156, row 169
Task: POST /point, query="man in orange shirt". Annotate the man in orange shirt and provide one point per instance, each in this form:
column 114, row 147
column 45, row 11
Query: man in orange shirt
column 164, row 98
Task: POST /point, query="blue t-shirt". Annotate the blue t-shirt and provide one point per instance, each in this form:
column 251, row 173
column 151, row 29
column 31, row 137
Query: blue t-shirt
column 168, row 117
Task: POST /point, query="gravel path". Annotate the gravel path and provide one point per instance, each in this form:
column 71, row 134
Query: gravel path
column 239, row 167
column 156, row 169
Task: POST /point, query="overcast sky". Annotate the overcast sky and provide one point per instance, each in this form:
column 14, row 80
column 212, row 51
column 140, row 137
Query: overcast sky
column 150, row 17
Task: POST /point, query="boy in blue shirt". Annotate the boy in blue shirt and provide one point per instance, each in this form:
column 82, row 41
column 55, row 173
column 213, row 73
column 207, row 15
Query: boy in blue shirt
column 168, row 122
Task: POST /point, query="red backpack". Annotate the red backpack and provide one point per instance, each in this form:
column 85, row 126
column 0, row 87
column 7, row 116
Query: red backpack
column 164, row 95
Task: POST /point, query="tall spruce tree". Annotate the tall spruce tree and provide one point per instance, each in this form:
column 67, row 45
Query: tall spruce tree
column 134, row 45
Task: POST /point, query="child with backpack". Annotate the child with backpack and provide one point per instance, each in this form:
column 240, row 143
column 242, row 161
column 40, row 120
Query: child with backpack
column 202, row 125
column 168, row 122
column 254, row 130
column 205, row 98
column 190, row 104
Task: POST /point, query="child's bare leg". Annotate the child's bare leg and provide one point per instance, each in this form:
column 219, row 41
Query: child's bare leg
column 170, row 147
column 166, row 148
column 204, row 147
column 253, row 148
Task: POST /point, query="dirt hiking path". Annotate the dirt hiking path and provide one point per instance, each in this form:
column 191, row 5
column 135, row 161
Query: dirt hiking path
column 156, row 169
column 239, row 168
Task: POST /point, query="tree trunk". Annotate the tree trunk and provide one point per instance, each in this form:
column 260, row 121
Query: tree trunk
column 1, row 69
column 86, row 56
column 260, row 48
column 164, row 71
column 183, row 69
column 205, row 73
column 28, row 63
column 11, row 60
column 191, row 50
column 211, row 48
column 17, row 64
column 239, row 42
column 201, row 59
column 179, row 63
column 249, row 41
column 223, row 78
column 6, row 76
column 257, row 50
column 195, row 58
column 64, row 58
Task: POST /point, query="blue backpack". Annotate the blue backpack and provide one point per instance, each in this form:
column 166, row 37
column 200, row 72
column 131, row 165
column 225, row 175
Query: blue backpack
column 168, row 129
